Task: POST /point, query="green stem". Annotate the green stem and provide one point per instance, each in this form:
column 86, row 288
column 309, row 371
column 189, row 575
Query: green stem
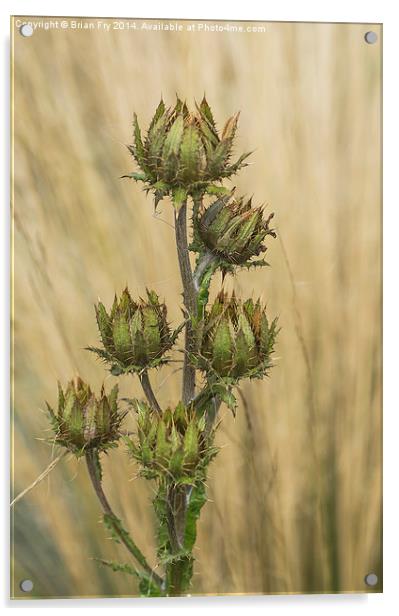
column 176, row 513
column 211, row 401
column 149, row 392
column 94, row 468
column 175, row 573
column 176, row 516
column 189, row 298
column 177, row 496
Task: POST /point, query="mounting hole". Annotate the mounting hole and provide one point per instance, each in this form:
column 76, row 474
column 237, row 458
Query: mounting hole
column 26, row 585
column 371, row 37
column 371, row 579
column 26, row 30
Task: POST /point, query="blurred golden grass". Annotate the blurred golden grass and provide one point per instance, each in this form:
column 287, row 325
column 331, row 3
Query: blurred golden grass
column 295, row 494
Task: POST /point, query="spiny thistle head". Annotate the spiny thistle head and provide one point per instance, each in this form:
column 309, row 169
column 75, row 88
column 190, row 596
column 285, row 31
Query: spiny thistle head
column 233, row 230
column 135, row 335
column 237, row 339
column 183, row 153
column 82, row 421
column 175, row 445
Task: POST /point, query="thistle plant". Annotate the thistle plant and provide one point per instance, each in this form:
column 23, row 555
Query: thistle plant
column 236, row 339
column 83, row 422
column 185, row 160
column 135, row 335
column 183, row 153
column 234, row 231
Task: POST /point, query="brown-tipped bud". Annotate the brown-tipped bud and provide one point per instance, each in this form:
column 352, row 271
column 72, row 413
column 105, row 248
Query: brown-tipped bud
column 135, row 335
column 175, row 446
column 83, row 421
column 233, row 230
column 237, row 339
column 183, row 153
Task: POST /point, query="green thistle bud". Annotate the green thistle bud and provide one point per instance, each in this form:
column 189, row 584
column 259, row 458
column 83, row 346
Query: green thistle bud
column 135, row 335
column 175, row 445
column 233, row 230
column 237, row 339
column 83, row 421
column 183, row 153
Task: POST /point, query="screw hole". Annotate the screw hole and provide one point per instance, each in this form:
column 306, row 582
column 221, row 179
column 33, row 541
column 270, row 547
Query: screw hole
column 371, row 37
column 26, row 30
column 26, row 585
column 371, row 579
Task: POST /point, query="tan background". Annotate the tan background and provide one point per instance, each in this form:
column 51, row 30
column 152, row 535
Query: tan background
column 295, row 492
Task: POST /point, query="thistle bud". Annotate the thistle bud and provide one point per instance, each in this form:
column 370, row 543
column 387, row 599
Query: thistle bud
column 175, row 444
column 233, row 230
column 83, row 421
column 183, row 153
column 237, row 339
column 135, row 335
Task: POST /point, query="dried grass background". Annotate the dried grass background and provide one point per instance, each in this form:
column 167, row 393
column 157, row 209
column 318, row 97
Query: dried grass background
column 295, row 493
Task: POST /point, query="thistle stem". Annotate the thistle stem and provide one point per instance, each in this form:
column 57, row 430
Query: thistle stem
column 176, row 513
column 149, row 392
column 176, row 516
column 177, row 501
column 189, row 298
column 212, row 402
column 93, row 466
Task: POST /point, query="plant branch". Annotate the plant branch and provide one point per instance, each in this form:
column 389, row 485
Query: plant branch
column 212, row 402
column 202, row 397
column 93, row 466
column 149, row 392
column 176, row 498
column 189, row 298
column 176, row 515
column 184, row 258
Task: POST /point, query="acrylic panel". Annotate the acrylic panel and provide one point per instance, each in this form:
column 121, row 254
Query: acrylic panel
column 216, row 428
